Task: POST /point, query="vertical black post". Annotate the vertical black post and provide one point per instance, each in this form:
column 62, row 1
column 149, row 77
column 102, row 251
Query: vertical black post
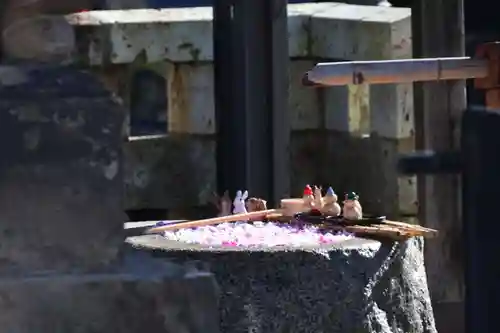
column 251, row 84
column 481, row 195
column 280, row 83
column 223, row 48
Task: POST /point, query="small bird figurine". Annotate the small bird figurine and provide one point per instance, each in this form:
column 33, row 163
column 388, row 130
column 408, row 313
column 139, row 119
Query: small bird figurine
column 307, row 199
column 256, row 204
column 352, row 208
column 331, row 206
column 318, row 198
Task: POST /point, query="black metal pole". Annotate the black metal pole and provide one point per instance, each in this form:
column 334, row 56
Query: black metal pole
column 223, row 49
column 281, row 115
column 251, row 82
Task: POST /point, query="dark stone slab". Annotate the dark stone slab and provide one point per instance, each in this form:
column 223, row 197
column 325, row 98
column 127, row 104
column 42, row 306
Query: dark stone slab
column 61, row 180
column 367, row 166
column 141, row 295
column 356, row 286
column 169, row 171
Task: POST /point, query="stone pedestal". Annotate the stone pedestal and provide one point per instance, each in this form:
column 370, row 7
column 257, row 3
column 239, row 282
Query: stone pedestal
column 64, row 267
column 357, row 286
column 61, row 181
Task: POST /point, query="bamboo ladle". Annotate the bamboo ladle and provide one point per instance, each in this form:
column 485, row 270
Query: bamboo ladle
column 215, row 220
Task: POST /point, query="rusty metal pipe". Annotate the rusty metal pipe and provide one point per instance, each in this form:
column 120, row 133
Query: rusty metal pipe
column 395, row 71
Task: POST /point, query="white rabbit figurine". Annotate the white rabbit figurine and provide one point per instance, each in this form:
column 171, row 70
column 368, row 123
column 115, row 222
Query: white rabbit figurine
column 239, row 206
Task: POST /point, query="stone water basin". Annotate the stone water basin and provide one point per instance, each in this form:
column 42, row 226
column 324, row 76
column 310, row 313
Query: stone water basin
column 347, row 284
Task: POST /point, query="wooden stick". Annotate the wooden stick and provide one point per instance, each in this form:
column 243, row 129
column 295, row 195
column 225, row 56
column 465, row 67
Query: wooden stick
column 411, row 227
column 277, row 216
column 215, row 220
column 373, row 230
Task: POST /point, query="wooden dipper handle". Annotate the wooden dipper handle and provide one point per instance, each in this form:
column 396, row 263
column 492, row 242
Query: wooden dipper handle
column 212, row 221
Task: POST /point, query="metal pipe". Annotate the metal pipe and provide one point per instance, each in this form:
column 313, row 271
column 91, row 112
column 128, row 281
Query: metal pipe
column 395, row 71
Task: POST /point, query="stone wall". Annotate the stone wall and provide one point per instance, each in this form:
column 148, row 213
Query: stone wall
column 347, row 137
column 64, row 264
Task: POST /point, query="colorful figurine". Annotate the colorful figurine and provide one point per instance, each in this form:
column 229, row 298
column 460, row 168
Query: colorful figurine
column 222, row 203
column 307, row 199
column 239, row 206
column 256, row 204
column 352, row 208
column 331, row 206
column 384, row 3
column 318, row 198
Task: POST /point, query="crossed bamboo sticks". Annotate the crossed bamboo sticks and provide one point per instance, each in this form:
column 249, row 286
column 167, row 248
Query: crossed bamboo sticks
column 392, row 229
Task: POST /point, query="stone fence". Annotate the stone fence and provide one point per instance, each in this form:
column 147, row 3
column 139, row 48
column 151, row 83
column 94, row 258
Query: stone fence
column 346, row 137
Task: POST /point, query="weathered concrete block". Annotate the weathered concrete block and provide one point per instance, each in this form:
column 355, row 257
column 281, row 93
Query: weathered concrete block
column 191, row 99
column 180, row 34
column 172, row 171
column 316, row 30
column 358, row 286
column 143, row 295
column 366, row 33
column 347, row 109
column 391, row 110
column 168, row 38
column 61, row 182
column 353, row 32
column 391, row 105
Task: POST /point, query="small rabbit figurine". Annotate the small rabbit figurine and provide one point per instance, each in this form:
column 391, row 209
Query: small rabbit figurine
column 352, row 208
column 239, row 206
column 318, row 198
column 331, row 207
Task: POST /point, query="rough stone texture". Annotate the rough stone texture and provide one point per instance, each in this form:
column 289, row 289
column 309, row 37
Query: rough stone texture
column 369, row 167
column 349, row 163
column 173, row 171
column 375, row 287
column 42, row 38
column 142, row 295
column 64, row 268
column 61, row 181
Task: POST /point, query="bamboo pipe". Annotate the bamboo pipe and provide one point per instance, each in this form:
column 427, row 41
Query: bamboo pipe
column 395, row 71
column 215, row 220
